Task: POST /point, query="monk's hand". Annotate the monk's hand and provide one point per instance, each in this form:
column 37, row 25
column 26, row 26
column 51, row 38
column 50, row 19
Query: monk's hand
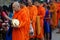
column 15, row 23
column 14, row 26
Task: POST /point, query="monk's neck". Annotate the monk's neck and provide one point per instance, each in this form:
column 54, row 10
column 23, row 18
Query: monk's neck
column 23, row 7
column 38, row 6
column 17, row 11
column 30, row 5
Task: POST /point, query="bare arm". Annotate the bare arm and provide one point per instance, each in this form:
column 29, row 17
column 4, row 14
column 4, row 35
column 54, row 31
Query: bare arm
column 4, row 15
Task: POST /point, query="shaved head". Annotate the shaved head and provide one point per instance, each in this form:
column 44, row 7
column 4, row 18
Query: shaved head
column 36, row 3
column 29, row 2
column 16, row 6
column 22, row 5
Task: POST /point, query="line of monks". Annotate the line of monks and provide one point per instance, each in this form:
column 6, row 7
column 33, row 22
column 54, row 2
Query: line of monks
column 25, row 14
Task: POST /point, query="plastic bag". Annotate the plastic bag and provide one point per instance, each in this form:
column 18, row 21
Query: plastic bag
column 31, row 30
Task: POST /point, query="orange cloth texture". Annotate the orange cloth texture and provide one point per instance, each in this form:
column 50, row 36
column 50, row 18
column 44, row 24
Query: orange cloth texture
column 58, row 11
column 33, row 14
column 41, row 13
column 22, row 32
column 54, row 15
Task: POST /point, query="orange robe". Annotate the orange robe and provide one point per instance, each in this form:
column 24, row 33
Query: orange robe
column 58, row 12
column 54, row 15
column 33, row 14
column 41, row 13
column 22, row 32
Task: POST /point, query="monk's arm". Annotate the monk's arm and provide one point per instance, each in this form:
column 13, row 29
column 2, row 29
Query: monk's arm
column 42, row 13
column 35, row 15
column 23, row 19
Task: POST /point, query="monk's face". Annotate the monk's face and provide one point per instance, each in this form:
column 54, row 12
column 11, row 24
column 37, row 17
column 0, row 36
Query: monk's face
column 16, row 7
column 36, row 3
column 41, row 5
column 29, row 3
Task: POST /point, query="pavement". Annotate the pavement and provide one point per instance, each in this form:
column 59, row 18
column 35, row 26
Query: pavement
column 55, row 36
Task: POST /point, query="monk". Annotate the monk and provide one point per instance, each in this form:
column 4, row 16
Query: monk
column 58, row 12
column 20, row 32
column 41, row 13
column 54, row 15
column 58, row 16
column 33, row 14
column 27, row 12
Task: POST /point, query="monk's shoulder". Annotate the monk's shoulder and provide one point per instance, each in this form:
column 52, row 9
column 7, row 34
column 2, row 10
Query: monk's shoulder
column 42, row 8
column 26, row 8
column 23, row 12
column 34, row 7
